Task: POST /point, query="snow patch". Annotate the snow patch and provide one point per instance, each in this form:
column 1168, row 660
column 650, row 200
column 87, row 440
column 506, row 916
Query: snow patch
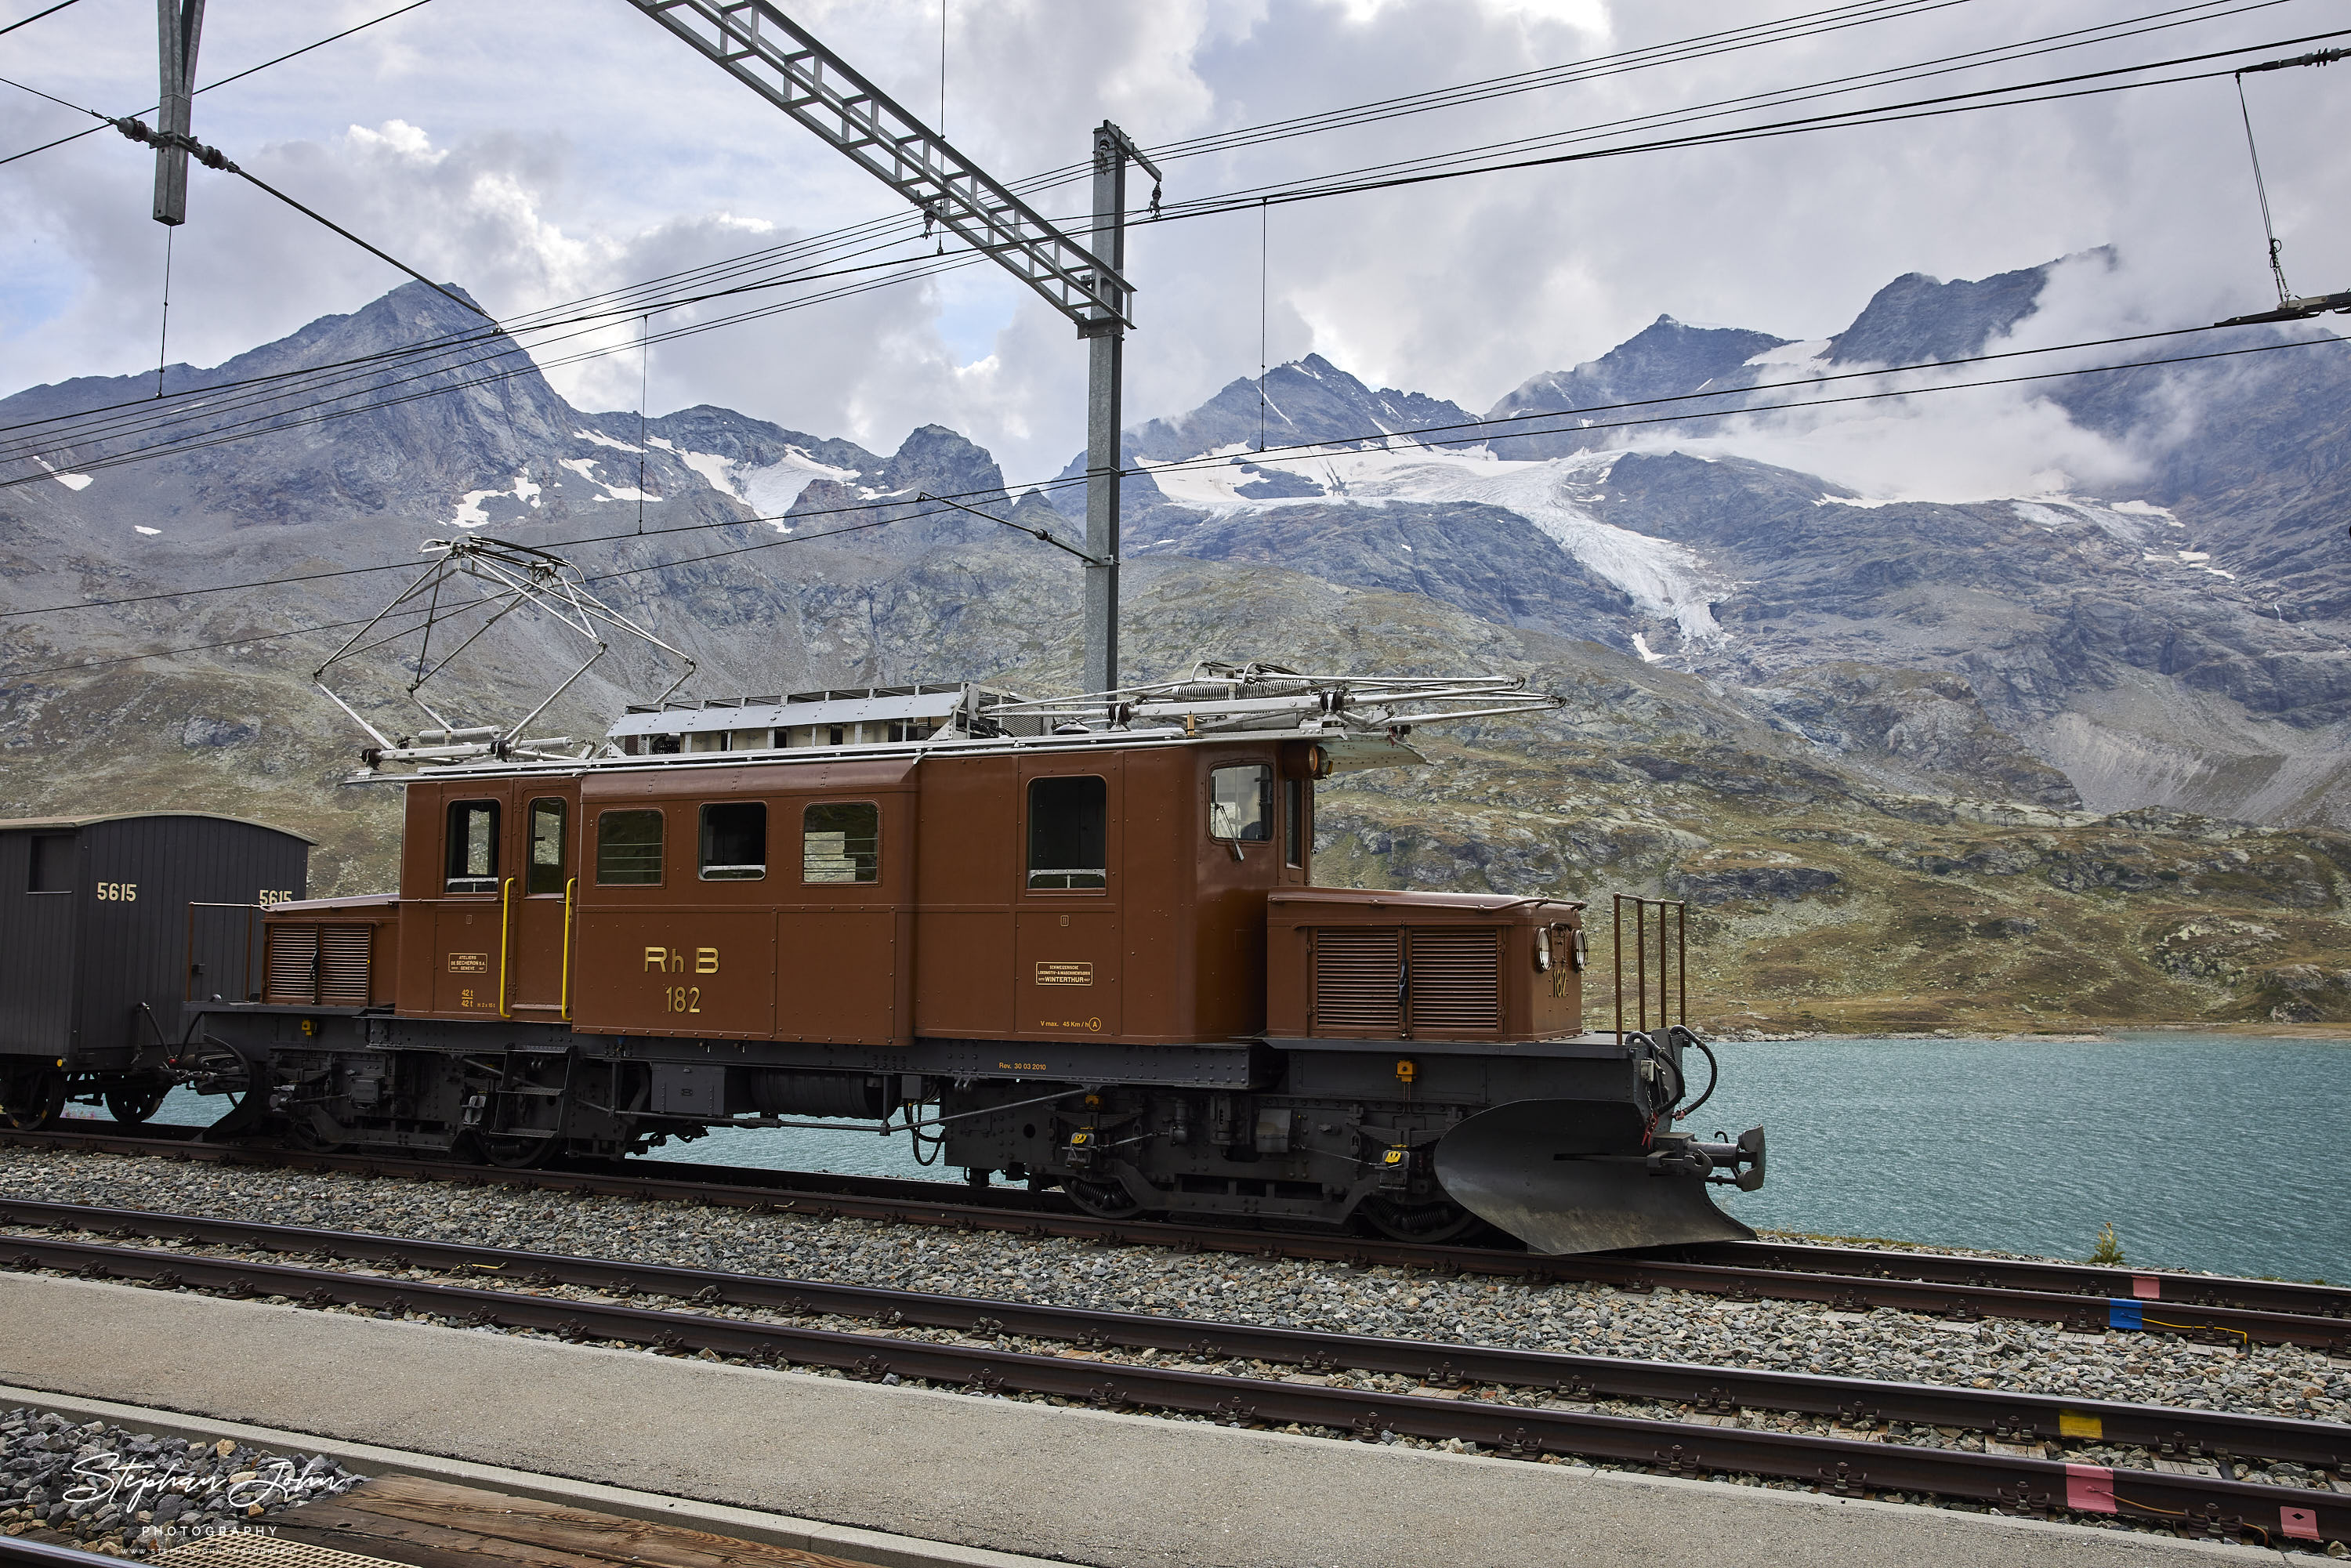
column 469, row 510
column 2126, row 521
column 2194, row 557
column 150, row 533
column 1669, row 581
column 469, row 513
column 70, row 481
column 591, row 435
column 1865, row 502
column 710, row 466
column 1641, row 646
column 767, row 488
column 1802, row 353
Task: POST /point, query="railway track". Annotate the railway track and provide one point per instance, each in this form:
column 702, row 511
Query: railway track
column 1519, row 1403
column 2076, row 1297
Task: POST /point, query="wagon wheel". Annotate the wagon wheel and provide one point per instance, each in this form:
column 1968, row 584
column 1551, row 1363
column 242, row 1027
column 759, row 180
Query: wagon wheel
column 1102, row 1199
column 1430, row 1223
column 32, row 1098
column 132, row 1104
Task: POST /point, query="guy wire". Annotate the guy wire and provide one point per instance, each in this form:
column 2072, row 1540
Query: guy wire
column 163, row 332
column 2261, row 189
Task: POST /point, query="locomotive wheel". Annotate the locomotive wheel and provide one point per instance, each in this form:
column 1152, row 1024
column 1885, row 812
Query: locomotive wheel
column 514, row 1154
column 304, row 1133
column 132, row 1104
column 32, row 1098
column 1102, row 1199
column 1431, row 1223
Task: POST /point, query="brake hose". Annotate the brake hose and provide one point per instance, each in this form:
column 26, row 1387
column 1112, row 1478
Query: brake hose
column 1713, row 1072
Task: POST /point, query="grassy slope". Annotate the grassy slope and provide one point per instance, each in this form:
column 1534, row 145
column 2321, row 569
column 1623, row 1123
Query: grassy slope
column 1824, row 897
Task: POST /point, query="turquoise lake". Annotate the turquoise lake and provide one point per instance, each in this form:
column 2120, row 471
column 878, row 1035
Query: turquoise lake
column 2202, row 1150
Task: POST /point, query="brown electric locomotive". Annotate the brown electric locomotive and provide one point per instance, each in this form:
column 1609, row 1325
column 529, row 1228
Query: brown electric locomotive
column 1078, row 946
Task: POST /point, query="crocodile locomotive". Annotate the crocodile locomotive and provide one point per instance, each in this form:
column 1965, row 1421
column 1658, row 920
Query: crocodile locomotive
column 1078, row 945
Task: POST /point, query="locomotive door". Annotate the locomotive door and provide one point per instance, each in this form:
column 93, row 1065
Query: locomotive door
column 1068, row 939
column 838, row 964
column 540, row 904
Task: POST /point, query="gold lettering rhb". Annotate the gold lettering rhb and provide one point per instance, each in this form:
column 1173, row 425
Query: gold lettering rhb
column 670, row 961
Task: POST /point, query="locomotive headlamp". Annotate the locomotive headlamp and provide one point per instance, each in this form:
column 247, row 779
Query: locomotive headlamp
column 1542, row 949
column 1305, row 759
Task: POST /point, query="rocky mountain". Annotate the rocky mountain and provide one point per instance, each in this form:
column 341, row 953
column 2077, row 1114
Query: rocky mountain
column 2007, row 763
column 2179, row 641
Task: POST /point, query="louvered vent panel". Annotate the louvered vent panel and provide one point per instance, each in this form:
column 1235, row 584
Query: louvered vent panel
column 291, row 965
column 343, row 966
column 1456, row 982
column 1356, row 976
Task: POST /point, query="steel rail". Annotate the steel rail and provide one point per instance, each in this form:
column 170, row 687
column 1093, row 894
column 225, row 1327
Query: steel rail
column 1850, row 1292
column 2154, row 1287
column 1844, row 1466
column 1720, row 1389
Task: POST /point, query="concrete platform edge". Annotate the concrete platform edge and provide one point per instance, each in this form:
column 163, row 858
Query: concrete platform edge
column 876, row 1547
column 873, row 1546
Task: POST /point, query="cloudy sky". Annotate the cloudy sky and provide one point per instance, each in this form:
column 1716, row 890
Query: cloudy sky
column 539, row 151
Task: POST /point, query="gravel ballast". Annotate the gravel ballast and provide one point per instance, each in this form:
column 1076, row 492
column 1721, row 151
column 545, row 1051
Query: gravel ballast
column 2148, row 1368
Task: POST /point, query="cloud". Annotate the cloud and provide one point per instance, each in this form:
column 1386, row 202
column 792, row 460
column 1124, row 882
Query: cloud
column 537, row 152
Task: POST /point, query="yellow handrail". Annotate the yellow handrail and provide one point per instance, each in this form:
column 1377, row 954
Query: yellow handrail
column 563, row 1006
column 506, row 923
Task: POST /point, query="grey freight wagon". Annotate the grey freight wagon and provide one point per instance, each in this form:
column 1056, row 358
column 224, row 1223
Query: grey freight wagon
column 108, row 924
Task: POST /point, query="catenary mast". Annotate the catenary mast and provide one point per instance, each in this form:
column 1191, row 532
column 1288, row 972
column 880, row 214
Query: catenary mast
column 781, row 61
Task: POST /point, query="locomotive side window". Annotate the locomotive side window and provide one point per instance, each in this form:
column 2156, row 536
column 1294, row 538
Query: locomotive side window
column 551, row 847
column 1240, row 803
column 734, row 842
column 628, row 849
column 473, row 846
column 1294, row 817
column 840, row 840
column 1067, row 837
column 53, row 864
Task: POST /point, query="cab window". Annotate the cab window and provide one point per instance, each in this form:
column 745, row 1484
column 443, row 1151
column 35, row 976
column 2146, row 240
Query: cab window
column 840, row 840
column 628, row 849
column 551, row 847
column 734, row 842
column 1067, row 836
column 1240, row 803
column 473, row 846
